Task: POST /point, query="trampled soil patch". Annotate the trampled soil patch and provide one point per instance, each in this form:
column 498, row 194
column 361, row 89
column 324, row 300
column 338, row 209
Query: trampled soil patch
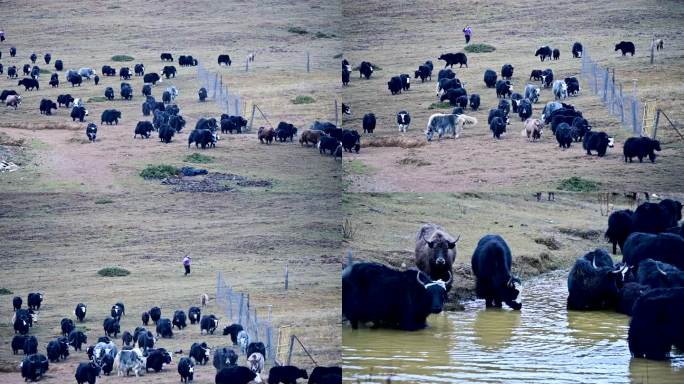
column 213, row 182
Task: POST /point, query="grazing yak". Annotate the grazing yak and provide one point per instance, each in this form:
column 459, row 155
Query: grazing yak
column 109, row 93
column 139, row 69
column 125, row 73
column 46, row 107
column 187, row 61
column 564, row 135
column 12, row 72
column 442, row 124
column 665, row 247
column 91, row 133
column 532, row 93
column 74, row 78
column 403, row 120
column 34, row 300
column 533, row 129
column 619, row 228
column 54, row 80
column 593, row 282
column 29, row 84
column 110, row 116
column 130, row 360
column 208, row 324
column 390, row 298
column 491, row 264
column 405, row 81
column 503, row 88
column 155, row 314
column 232, row 123
column 224, row 60
column 152, row 78
column 224, row 357
column 179, row 319
column 577, row 50
column 524, row 109
column 67, row 326
column 656, row 218
column 560, row 90
column 394, row 85
column 143, row 128
column 453, row 95
column 34, row 366
column 87, row 372
column 156, row 359
column 328, row 143
column 266, row 134
column 445, row 73
column 351, row 140
column 59, row 65
column 626, row 47
column 507, row 71
column 445, row 85
column 78, row 113
column 186, row 370
column 202, row 93
column 515, row 100
column 474, row 101
column 111, row 326
column 573, row 85
column 597, row 141
column 536, row 74
column 640, row 147
column 203, row 138
column 309, row 137
column 345, row 76
column 286, row 374
column 556, row 53
column 547, row 78
column 26, row 69
column 628, row 295
column 233, row 331
column 239, row 375
column 498, row 127
column 126, row 91
column 424, row 72
column 18, row 342
column 256, row 362
column 656, row 324
column 6, row 93
column 30, row 345
column 13, row 51
column 64, row 100
column 166, row 57
column 57, row 349
column 108, row 71
column 544, row 52
column 200, row 353
column 169, row 71
column 17, row 302
column 454, row 58
column 365, row 70
column 369, row 123
column 435, row 253
column 285, row 131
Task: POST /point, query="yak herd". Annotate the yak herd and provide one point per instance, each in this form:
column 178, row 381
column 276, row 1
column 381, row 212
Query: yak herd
column 647, row 284
column 139, row 351
column 566, row 122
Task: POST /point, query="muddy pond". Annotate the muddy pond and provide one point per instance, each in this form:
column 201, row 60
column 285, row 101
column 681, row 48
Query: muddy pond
column 541, row 343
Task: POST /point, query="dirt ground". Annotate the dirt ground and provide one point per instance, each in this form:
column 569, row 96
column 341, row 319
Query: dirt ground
column 398, row 38
column 74, row 207
column 543, row 235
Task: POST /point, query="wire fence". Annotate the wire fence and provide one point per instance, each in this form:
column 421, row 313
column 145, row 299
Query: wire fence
column 602, row 82
column 227, row 101
column 237, row 309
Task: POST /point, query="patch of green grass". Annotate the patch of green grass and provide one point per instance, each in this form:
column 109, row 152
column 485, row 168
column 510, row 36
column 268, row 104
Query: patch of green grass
column 303, row 100
column 297, row 30
column 198, row 158
column 440, row 105
column 113, row 272
column 479, row 48
column 44, row 71
column 104, row 201
column 356, row 167
column 122, row 58
column 323, row 35
column 577, row 184
column 5, row 291
column 160, row 171
column 38, row 144
column 338, row 56
column 97, row 99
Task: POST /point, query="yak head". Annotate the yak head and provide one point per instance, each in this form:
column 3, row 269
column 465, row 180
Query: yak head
column 513, row 293
column 435, row 291
column 440, row 247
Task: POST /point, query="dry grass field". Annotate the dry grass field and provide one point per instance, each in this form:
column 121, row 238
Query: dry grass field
column 398, row 37
column 74, row 207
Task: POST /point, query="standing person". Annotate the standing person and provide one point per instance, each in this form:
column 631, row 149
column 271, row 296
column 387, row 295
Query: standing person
column 186, row 263
column 2, row 36
column 467, row 31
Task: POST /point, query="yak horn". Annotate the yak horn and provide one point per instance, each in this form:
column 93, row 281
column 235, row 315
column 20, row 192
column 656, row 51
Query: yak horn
column 451, row 278
column 593, row 263
column 660, row 270
column 418, row 278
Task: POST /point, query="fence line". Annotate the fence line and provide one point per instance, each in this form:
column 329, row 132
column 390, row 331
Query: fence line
column 237, row 309
column 227, row 101
column 602, row 83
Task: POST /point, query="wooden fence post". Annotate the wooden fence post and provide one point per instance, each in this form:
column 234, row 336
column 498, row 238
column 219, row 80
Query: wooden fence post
column 622, row 105
column 307, row 61
column 336, row 114
column 289, row 352
column 652, row 48
column 287, row 277
column 251, row 119
column 655, row 125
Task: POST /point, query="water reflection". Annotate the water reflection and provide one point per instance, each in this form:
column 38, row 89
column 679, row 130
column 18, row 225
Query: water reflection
column 542, row 342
